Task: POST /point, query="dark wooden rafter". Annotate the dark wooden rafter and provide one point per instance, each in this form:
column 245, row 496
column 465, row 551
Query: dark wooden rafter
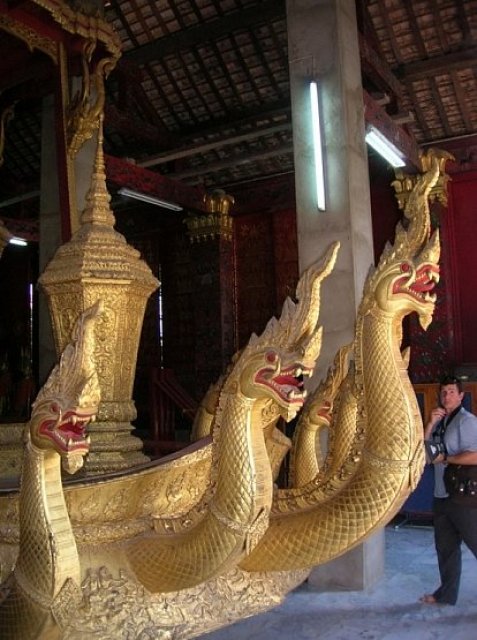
column 462, row 101
column 453, row 61
column 122, row 173
column 420, row 115
column 390, row 32
column 196, row 149
column 200, row 63
column 148, row 71
column 125, row 24
column 437, row 99
column 377, row 70
column 409, row 9
column 238, row 119
column 185, row 70
column 463, row 20
column 218, row 57
column 134, row 129
column 220, row 135
column 439, row 27
column 140, row 18
column 130, row 95
column 244, row 68
column 165, row 96
column 246, row 18
column 232, row 161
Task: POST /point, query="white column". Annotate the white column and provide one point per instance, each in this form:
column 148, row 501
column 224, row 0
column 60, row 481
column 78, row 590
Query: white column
column 323, row 47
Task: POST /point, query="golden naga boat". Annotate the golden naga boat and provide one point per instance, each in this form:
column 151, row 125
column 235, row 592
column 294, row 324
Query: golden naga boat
column 173, row 549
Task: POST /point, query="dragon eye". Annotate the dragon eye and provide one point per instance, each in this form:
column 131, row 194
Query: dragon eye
column 271, row 357
column 405, row 267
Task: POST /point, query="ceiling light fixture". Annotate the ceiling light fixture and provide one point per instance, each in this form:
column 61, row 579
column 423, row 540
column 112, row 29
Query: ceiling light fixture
column 384, row 147
column 317, row 146
column 20, row 242
column 144, row 197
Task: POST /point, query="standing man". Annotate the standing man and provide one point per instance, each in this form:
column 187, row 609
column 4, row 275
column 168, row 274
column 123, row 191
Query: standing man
column 451, row 436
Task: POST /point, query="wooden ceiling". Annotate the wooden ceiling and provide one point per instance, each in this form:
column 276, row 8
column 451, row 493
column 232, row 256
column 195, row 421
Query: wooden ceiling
column 201, row 92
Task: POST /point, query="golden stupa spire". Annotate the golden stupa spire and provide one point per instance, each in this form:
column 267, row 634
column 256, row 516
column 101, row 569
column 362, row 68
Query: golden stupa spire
column 97, row 209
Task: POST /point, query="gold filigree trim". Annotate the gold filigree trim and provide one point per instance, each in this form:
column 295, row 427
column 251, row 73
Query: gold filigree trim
column 86, row 108
column 86, row 26
column 405, row 183
column 31, row 37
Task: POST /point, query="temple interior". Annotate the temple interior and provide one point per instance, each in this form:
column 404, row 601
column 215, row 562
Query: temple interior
column 185, row 163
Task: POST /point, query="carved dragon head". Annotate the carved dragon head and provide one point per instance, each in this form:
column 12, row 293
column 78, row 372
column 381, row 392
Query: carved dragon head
column 318, row 411
column 69, row 399
column 272, row 365
column 408, row 271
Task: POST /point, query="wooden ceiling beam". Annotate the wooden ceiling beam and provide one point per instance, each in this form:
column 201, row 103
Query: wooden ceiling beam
column 455, row 61
column 135, row 130
column 275, row 112
column 122, row 173
column 462, row 101
column 266, row 11
column 233, row 161
column 376, row 68
column 185, row 152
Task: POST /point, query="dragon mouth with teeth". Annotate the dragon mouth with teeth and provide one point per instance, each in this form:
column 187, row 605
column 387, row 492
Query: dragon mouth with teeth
column 68, row 431
column 421, row 285
column 287, row 383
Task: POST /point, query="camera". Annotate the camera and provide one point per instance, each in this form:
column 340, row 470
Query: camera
column 434, row 449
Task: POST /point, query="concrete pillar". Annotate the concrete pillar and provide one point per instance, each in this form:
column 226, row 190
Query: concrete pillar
column 323, row 47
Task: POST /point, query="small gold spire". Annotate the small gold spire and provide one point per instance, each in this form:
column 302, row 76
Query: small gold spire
column 97, row 209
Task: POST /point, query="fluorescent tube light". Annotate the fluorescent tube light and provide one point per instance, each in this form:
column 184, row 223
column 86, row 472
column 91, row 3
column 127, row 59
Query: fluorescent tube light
column 317, row 147
column 384, row 147
column 144, row 197
column 20, row 242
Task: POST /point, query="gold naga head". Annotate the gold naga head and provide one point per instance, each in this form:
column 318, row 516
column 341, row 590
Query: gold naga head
column 69, row 399
column 272, row 365
column 408, row 271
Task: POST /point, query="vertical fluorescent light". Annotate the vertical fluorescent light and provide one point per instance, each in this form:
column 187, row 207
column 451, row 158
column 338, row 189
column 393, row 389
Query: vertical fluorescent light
column 317, row 146
column 384, row 147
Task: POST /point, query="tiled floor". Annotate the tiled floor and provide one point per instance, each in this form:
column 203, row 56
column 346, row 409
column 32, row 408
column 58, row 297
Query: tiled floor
column 388, row 611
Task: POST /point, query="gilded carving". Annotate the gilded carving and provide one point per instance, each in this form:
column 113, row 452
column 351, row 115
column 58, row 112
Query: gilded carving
column 174, row 549
column 217, row 223
column 97, row 263
column 88, row 27
column 86, row 107
column 30, row 36
column 405, row 183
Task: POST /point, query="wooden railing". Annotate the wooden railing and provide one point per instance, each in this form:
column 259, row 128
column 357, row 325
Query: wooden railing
column 169, row 405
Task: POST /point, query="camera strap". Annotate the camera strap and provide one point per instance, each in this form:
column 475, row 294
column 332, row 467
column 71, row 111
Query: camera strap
column 440, row 430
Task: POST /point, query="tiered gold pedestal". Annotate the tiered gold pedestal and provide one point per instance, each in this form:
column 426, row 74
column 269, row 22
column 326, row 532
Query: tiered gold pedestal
column 97, row 263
